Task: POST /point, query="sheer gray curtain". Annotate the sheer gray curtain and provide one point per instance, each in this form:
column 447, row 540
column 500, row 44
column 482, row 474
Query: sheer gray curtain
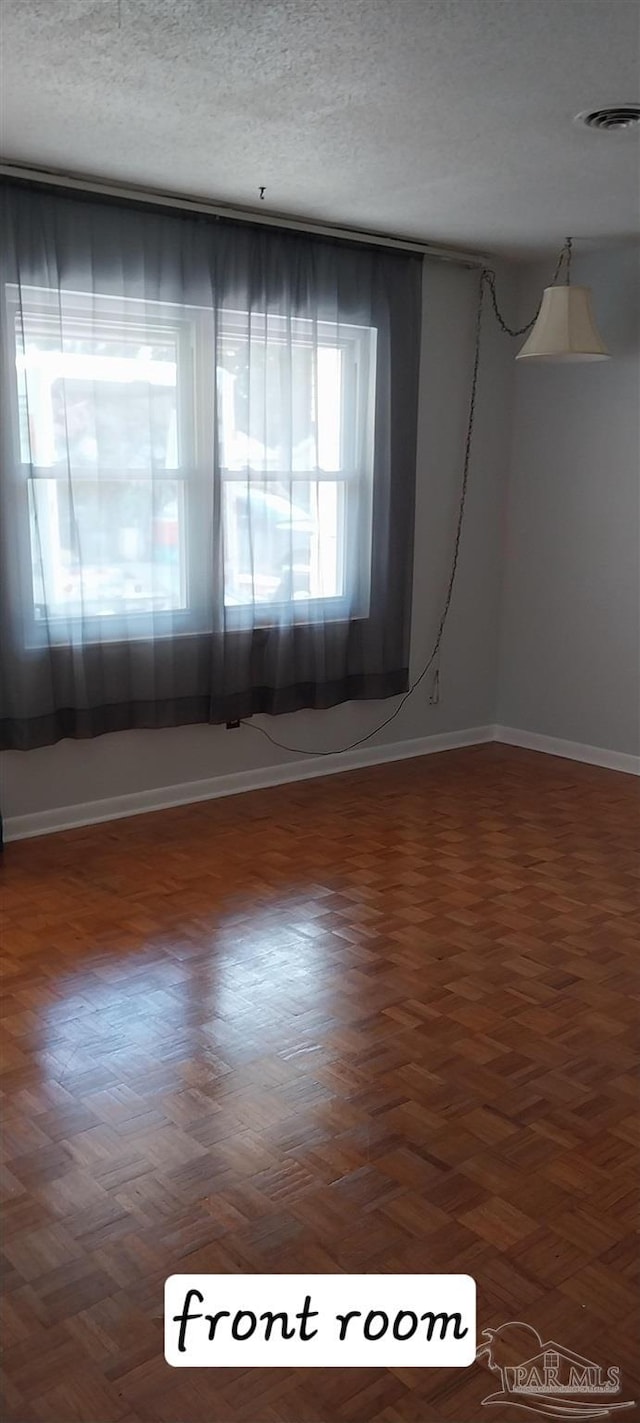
column 208, row 468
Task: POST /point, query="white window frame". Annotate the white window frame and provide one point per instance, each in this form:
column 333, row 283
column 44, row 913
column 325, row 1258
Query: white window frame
column 358, row 348
column 160, row 319
column 193, row 329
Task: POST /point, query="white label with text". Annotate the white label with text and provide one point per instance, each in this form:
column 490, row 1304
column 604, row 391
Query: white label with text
column 322, row 1321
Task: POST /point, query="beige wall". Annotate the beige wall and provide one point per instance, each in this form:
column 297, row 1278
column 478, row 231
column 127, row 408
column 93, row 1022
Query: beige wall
column 569, row 664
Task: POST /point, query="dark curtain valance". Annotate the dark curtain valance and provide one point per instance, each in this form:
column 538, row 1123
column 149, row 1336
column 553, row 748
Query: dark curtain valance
column 207, row 468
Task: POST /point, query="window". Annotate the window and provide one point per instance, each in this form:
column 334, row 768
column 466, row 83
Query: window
column 295, row 402
column 107, row 444
column 207, row 467
column 120, row 405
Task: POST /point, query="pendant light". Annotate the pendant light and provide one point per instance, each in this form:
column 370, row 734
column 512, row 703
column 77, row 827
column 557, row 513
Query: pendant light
column 565, row 328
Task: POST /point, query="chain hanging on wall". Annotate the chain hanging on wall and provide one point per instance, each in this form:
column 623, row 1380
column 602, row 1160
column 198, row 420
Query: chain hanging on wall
column 487, row 284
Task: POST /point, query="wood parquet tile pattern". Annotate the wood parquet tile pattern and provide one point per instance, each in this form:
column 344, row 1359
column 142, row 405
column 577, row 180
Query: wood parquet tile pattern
column 380, row 1022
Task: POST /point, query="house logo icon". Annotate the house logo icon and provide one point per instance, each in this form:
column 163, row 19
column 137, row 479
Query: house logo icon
column 543, row 1377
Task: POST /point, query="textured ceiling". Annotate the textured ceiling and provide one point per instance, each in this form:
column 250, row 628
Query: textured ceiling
column 442, row 119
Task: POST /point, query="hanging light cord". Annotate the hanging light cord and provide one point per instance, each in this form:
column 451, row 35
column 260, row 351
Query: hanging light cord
column 488, row 282
column 489, row 277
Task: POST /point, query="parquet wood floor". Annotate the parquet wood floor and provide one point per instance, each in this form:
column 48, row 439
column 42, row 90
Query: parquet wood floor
column 379, row 1022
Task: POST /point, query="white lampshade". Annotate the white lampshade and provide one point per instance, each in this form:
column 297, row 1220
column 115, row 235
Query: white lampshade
column 565, row 329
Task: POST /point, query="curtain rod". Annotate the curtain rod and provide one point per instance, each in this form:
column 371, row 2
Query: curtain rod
column 250, row 215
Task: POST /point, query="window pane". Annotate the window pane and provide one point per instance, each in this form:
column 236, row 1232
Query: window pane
column 329, row 407
column 281, row 400
column 283, row 541
column 95, row 396
column 107, row 548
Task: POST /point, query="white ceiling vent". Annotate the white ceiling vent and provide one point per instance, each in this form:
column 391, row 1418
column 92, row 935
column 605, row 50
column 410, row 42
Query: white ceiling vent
column 614, row 118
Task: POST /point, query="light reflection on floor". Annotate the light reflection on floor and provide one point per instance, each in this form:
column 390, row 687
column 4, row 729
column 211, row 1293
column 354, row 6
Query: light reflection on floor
column 121, row 1007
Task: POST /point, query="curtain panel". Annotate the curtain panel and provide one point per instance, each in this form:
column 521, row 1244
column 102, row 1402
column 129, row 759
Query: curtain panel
column 207, row 469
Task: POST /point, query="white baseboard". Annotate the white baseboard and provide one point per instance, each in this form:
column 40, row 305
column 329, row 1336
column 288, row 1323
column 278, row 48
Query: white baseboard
column 69, row 817
column 570, row 750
